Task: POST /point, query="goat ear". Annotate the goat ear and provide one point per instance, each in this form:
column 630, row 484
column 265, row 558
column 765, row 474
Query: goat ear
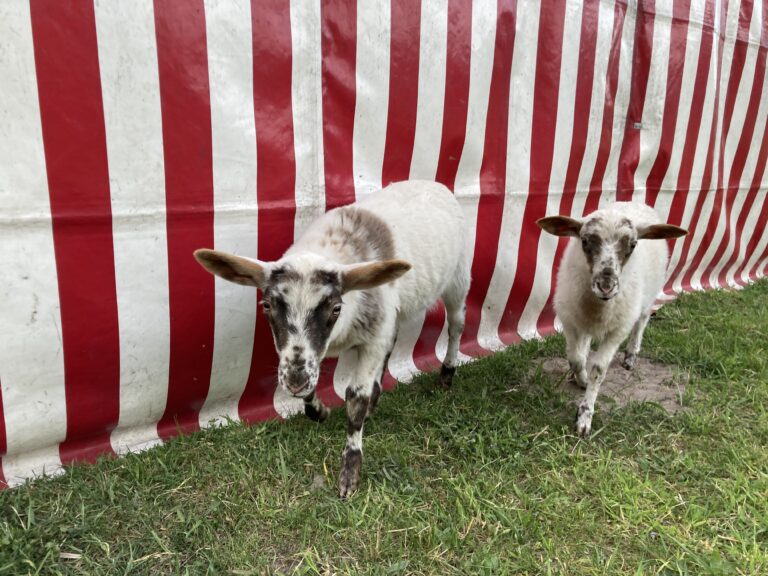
column 660, row 232
column 370, row 275
column 560, row 225
column 233, row 268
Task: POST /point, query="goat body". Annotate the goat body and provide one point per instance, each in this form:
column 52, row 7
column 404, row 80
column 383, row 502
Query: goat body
column 608, row 281
column 345, row 284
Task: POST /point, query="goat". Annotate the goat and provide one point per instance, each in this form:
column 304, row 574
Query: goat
column 606, row 287
column 343, row 285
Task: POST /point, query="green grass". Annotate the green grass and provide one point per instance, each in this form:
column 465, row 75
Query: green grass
column 487, row 478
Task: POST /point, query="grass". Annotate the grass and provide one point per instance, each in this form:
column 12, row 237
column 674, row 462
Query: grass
column 485, row 479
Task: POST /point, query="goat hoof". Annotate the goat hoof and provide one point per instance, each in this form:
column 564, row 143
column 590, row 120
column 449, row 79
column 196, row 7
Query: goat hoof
column 584, row 422
column 629, row 361
column 351, row 462
column 575, row 381
column 319, row 415
column 446, row 376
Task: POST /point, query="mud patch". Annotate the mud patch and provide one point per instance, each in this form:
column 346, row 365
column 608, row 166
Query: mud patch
column 648, row 382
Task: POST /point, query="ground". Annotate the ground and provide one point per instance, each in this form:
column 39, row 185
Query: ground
column 487, row 478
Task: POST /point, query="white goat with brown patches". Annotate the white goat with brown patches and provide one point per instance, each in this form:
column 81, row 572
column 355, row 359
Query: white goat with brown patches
column 606, row 287
column 340, row 287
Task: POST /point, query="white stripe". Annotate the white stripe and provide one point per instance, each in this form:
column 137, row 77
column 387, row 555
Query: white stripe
column 655, row 97
column 433, row 47
column 307, row 107
column 467, row 186
column 684, row 110
column 372, row 91
column 731, row 27
column 762, row 243
column 31, row 355
column 750, row 165
column 518, row 168
column 599, row 87
column 621, row 107
column 561, row 154
column 306, row 97
column 131, row 92
column 233, row 131
column 431, row 95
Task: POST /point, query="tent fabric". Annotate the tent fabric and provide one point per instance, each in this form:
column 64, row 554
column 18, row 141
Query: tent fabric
column 136, row 132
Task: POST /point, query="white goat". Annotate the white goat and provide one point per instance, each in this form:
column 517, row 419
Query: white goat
column 339, row 287
column 606, row 287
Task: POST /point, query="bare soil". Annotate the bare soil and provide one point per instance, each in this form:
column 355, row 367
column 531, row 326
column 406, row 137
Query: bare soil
column 648, row 381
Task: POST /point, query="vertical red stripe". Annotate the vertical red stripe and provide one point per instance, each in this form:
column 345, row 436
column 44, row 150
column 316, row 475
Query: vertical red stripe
column 581, row 107
column 757, row 232
column 69, row 87
column 275, row 179
column 684, row 186
column 683, row 267
column 455, row 108
column 681, row 10
column 737, row 69
column 606, row 130
column 546, row 90
column 339, row 51
column 493, row 174
column 739, row 162
column 629, row 157
column 403, row 90
column 401, row 132
column 187, row 151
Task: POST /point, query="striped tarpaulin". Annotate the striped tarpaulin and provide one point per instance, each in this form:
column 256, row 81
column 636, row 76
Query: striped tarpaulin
column 132, row 133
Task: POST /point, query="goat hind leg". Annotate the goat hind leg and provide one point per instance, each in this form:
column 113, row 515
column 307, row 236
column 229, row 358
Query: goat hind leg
column 456, row 311
column 635, row 340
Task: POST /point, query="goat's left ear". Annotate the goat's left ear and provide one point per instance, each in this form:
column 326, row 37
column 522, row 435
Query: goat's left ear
column 372, row 274
column 660, row 232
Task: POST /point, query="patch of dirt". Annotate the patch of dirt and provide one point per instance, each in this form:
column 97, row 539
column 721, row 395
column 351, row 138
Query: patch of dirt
column 646, row 382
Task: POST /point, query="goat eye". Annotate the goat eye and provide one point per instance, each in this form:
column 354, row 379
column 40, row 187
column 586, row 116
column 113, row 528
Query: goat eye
column 336, row 310
column 584, row 243
column 632, row 245
column 266, row 306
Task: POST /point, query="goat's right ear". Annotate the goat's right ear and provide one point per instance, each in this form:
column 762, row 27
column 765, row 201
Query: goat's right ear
column 233, row 268
column 560, row 225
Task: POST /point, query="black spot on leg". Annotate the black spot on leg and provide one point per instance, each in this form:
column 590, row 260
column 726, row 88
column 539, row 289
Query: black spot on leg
column 446, row 375
column 357, row 410
column 375, row 395
column 349, row 479
column 318, row 413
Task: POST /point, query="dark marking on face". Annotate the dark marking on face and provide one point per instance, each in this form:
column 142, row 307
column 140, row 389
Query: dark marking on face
column 278, row 317
column 369, row 313
column 591, row 244
column 627, row 246
column 323, row 277
column 283, row 274
column 321, row 320
column 357, row 410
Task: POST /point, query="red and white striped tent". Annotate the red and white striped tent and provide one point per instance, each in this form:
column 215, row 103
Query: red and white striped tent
column 132, row 133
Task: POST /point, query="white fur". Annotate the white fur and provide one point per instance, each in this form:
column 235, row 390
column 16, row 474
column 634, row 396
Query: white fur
column 585, row 317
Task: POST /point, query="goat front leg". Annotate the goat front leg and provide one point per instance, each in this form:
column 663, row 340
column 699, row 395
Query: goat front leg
column 596, row 374
column 315, row 409
column 577, row 351
column 361, row 397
